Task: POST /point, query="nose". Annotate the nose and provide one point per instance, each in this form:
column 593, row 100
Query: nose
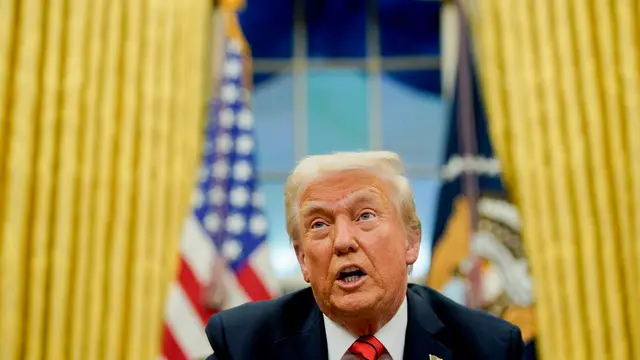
column 345, row 240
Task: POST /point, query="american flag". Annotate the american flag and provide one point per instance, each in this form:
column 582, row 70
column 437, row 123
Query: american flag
column 224, row 260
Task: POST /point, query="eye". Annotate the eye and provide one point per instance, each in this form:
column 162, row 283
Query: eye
column 318, row 224
column 367, row 215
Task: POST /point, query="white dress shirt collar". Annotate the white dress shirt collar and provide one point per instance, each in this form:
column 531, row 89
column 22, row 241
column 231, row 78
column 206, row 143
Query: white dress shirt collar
column 391, row 335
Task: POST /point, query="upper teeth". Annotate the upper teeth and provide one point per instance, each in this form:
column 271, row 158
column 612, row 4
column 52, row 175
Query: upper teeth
column 351, row 269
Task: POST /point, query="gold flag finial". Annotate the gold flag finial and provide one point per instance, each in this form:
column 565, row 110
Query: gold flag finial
column 232, row 5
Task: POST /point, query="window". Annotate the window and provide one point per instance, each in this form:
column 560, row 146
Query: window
column 413, row 120
column 273, row 107
column 361, row 79
column 337, row 112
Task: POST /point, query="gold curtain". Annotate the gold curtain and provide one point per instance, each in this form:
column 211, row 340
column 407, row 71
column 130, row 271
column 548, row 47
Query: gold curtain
column 562, row 82
column 101, row 107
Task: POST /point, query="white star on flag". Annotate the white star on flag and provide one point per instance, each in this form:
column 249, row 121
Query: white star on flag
column 224, row 144
column 233, row 68
column 220, row 169
column 245, row 120
column 229, row 93
column 239, row 197
column 212, row 222
column 231, row 249
column 217, row 195
column 242, row 171
column 226, row 118
column 258, row 225
column 235, row 224
column 244, row 145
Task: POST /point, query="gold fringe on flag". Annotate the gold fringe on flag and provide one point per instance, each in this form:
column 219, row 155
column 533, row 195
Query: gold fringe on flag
column 562, row 83
column 101, row 111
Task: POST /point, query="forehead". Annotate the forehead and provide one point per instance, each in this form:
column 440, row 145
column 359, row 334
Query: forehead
column 346, row 186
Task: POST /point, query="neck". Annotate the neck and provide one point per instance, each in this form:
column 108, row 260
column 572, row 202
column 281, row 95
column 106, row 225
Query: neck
column 363, row 327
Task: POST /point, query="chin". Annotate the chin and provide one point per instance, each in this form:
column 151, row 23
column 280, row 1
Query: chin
column 354, row 303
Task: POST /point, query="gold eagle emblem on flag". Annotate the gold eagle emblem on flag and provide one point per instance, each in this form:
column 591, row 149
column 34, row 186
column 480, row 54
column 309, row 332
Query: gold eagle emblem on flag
column 506, row 284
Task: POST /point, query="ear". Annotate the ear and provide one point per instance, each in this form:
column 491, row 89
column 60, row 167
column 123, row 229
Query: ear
column 301, row 260
column 413, row 245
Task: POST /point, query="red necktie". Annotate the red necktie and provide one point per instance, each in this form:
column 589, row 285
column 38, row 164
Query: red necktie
column 367, row 348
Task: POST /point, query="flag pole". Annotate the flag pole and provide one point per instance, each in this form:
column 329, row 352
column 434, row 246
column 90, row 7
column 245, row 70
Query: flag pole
column 468, row 145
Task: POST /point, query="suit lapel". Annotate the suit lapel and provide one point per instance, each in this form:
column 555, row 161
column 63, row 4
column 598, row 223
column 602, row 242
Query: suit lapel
column 310, row 343
column 425, row 335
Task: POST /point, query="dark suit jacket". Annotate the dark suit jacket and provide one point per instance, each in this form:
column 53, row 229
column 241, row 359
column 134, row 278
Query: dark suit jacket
column 292, row 327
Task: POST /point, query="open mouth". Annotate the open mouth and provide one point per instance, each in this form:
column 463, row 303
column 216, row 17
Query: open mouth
column 351, row 274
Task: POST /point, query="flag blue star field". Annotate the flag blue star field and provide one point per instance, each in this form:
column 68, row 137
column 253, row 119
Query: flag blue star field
column 505, row 284
column 224, row 256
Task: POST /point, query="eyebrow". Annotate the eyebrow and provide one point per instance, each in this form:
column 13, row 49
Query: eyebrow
column 357, row 197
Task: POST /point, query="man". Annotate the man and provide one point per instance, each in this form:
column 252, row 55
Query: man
column 354, row 228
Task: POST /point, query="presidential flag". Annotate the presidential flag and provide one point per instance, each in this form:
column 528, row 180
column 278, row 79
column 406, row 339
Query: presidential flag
column 476, row 240
column 224, row 260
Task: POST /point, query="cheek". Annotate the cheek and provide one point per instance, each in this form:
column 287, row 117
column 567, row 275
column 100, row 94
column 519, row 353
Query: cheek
column 318, row 256
column 388, row 237
column 387, row 248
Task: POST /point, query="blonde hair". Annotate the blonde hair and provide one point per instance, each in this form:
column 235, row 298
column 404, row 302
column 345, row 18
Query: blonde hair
column 385, row 164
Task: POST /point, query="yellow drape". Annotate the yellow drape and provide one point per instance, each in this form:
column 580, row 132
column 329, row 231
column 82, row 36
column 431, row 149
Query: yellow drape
column 562, row 85
column 101, row 106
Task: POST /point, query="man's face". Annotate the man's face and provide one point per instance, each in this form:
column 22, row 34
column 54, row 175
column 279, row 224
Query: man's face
column 354, row 249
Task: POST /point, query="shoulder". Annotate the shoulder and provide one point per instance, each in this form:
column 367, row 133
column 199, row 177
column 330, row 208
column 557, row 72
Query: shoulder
column 258, row 324
column 475, row 331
